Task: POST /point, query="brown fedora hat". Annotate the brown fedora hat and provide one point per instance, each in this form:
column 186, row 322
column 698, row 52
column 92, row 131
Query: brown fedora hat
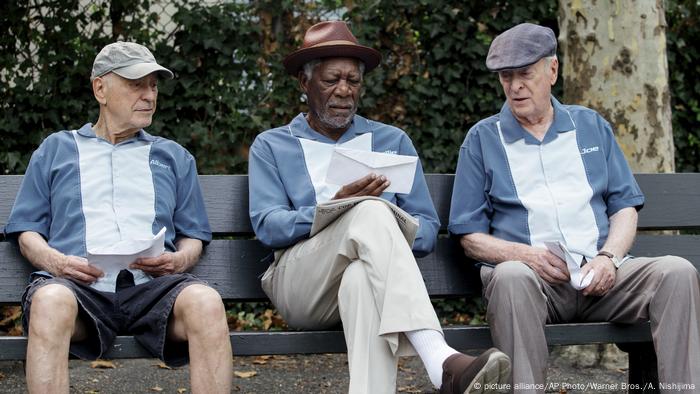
column 330, row 39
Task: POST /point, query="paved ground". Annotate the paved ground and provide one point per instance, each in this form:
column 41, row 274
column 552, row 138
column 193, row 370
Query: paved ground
column 326, row 373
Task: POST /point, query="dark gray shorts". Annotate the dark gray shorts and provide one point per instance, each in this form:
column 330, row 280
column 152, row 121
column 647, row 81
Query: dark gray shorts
column 142, row 311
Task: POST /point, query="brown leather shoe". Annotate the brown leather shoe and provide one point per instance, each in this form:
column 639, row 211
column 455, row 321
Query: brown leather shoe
column 484, row 374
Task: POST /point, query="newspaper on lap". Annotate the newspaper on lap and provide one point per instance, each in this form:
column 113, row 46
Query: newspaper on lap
column 331, row 210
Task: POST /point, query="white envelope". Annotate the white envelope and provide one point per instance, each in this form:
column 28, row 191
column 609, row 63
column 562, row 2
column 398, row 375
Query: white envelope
column 349, row 165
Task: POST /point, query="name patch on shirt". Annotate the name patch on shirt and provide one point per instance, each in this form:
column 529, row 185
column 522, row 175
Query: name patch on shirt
column 589, row 150
column 155, row 162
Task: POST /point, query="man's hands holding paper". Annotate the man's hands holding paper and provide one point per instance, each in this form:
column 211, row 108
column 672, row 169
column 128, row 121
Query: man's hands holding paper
column 604, row 274
column 369, row 185
column 35, row 248
column 165, row 264
column 77, row 268
column 187, row 255
column 548, row 266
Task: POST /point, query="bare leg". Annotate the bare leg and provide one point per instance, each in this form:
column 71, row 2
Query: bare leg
column 199, row 318
column 53, row 323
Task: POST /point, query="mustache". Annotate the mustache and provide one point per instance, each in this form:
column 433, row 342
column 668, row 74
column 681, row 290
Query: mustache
column 341, row 103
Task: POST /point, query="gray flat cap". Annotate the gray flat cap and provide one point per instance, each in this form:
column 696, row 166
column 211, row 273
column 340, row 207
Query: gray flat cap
column 128, row 60
column 521, row 46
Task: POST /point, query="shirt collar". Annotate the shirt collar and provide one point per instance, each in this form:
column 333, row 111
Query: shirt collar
column 513, row 131
column 88, row 132
column 299, row 127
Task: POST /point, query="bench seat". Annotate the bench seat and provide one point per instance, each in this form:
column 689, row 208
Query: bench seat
column 231, row 264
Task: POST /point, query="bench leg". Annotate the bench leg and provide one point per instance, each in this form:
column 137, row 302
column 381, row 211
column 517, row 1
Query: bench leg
column 643, row 372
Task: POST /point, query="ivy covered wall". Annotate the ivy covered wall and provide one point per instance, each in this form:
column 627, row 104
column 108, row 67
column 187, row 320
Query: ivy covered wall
column 230, row 83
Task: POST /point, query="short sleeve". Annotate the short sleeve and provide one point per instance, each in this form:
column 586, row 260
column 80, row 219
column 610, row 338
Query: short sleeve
column 470, row 210
column 622, row 190
column 277, row 224
column 190, row 217
column 32, row 208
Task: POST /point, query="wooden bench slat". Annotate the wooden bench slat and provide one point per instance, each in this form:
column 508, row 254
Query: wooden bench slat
column 251, row 343
column 671, row 200
column 233, row 267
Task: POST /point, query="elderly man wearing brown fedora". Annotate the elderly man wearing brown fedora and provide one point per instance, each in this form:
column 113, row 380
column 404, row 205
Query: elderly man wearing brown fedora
column 544, row 198
column 106, row 184
column 359, row 270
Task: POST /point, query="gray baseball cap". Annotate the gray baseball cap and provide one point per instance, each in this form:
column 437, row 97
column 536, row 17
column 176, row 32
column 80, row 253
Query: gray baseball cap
column 521, row 46
column 128, row 60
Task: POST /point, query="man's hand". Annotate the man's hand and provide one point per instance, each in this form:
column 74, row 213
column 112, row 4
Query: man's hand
column 166, row 263
column 548, row 266
column 77, row 268
column 603, row 276
column 369, row 185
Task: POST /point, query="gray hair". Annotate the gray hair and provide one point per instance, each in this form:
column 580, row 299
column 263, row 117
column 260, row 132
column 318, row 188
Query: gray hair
column 550, row 59
column 312, row 64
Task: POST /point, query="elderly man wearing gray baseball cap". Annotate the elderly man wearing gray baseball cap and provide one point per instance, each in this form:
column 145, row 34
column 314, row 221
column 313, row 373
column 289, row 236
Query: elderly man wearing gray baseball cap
column 544, row 198
column 91, row 196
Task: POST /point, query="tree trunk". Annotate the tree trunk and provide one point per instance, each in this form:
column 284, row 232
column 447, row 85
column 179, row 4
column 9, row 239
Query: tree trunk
column 614, row 61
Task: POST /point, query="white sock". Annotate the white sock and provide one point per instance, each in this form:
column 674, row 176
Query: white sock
column 432, row 350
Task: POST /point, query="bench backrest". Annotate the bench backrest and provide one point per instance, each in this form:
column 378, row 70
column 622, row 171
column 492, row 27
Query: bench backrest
column 232, row 265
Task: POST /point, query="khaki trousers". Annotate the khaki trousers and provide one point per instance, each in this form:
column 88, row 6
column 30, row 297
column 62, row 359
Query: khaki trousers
column 359, row 271
column 663, row 290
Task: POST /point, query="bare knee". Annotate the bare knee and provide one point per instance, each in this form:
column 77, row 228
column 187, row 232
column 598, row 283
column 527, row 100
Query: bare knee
column 54, row 309
column 200, row 308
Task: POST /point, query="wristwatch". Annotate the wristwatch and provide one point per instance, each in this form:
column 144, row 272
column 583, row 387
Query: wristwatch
column 611, row 256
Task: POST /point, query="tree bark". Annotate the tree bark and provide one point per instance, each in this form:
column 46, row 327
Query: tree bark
column 614, row 61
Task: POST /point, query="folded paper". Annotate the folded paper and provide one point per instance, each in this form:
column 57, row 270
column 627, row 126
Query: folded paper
column 578, row 282
column 114, row 258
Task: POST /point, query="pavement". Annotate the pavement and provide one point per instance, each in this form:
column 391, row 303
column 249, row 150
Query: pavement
column 320, row 373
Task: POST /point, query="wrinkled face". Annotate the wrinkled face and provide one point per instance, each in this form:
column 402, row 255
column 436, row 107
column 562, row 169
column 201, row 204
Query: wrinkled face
column 129, row 104
column 333, row 93
column 528, row 89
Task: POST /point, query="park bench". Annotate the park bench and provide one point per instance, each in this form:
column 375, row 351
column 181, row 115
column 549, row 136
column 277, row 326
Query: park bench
column 232, row 265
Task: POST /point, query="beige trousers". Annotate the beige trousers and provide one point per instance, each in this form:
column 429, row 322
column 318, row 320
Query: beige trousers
column 661, row 289
column 359, row 271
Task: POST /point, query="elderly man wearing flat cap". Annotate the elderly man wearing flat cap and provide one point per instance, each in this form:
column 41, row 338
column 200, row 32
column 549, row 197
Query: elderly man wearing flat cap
column 359, row 270
column 540, row 182
column 112, row 183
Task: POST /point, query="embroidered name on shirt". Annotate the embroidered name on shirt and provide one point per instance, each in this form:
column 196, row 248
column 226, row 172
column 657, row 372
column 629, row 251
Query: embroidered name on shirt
column 159, row 164
column 589, row 150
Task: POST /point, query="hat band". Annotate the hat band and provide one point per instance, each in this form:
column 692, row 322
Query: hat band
column 334, row 42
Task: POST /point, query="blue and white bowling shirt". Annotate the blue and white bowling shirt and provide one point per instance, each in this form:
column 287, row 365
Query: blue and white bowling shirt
column 564, row 188
column 81, row 193
column 287, row 168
